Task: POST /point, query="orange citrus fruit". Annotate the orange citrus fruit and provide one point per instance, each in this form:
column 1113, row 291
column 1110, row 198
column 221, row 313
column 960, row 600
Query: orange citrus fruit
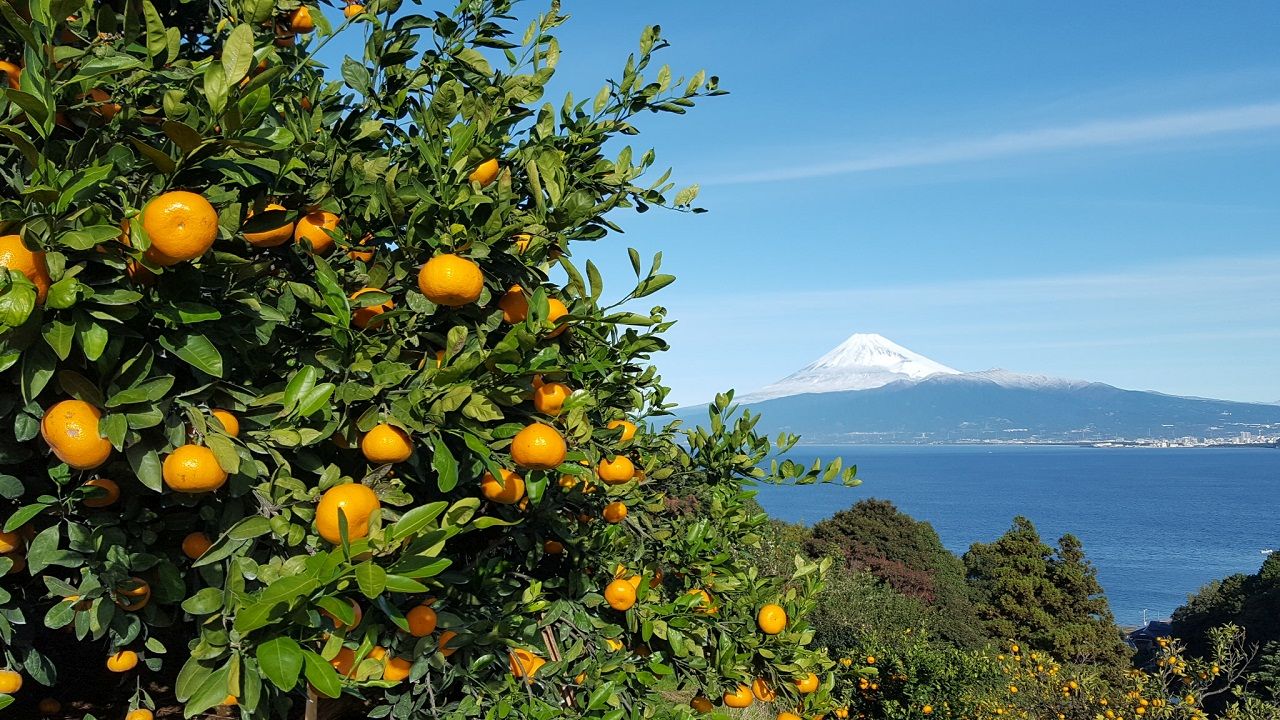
column 352, row 10
column 807, row 684
column 772, row 619
column 193, row 469
column 620, row 594
column 507, row 492
column 133, row 594
column 701, row 704
column 443, row 643
column 548, row 398
column 739, row 697
column 357, row 502
column 195, row 545
column 10, row 541
column 386, row 443
column 553, row 547
column 49, row 706
column 485, row 173
column 525, row 664
column 123, row 661
column 788, row 716
column 628, row 429
column 556, row 311
column 615, row 512
column 230, row 423
column 71, row 429
column 102, row 103
column 182, row 226
column 107, row 494
column 365, row 316
column 703, row 605
column 450, row 280
column 396, row 669
column 10, row 682
column 278, row 232
column 344, row 662
column 312, row 227
column 422, row 620
column 300, row 21
column 762, row 691
column 514, row 305
column 15, row 256
column 12, row 73
column 357, row 616
column 362, row 252
column 616, row 471
column 139, row 714
column 538, row 447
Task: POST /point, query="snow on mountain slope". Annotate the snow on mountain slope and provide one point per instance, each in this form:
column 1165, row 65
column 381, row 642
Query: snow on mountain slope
column 1009, row 379
column 864, row 361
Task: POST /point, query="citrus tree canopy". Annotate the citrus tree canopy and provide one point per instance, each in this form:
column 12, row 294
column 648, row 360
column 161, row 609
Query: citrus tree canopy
column 304, row 395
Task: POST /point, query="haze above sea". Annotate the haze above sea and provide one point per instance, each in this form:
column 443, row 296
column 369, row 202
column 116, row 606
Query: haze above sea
column 1157, row 523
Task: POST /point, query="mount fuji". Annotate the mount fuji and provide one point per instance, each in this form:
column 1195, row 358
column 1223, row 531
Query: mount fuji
column 870, row 389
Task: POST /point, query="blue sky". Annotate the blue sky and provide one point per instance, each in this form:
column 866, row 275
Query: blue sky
column 1088, row 189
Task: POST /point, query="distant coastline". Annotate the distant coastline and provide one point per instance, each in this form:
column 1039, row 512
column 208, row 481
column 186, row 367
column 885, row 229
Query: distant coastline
column 1147, row 444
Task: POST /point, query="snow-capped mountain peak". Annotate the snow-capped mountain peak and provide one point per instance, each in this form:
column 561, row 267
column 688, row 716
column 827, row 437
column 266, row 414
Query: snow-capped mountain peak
column 864, row 361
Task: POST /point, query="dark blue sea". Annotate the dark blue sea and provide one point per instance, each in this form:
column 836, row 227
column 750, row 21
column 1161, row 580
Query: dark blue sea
column 1157, row 523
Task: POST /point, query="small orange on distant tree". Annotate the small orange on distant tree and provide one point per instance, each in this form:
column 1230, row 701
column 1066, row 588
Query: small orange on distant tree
column 771, row 619
column 553, row 547
column 15, row 256
column 140, row 714
column 301, row 22
column 615, row 512
column 616, row 470
column 555, row 313
column 357, row 616
column 514, row 305
column 739, row 697
column 12, row 74
column 549, row 398
column 385, row 443
column 279, row 228
column 49, row 706
column 366, row 316
column 133, row 594
column 701, row 704
column 70, row 428
column 10, row 682
column 807, row 684
column 538, row 447
column 442, row 644
column 182, row 226
column 485, row 173
column 397, row 669
column 230, row 423
column 196, row 544
column 122, row 661
column 628, row 429
column 193, row 469
column 357, row 503
column 107, row 492
column 762, row 691
column 10, row 541
column 313, row 228
column 508, row 491
column 352, row 10
column 450, row 280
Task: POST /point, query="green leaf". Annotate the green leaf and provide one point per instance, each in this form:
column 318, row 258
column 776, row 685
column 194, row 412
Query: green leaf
column 473, row 59
column 206, row 602
column 157, row 40
column 152, row 389
column 23, row 515
column 215, row 88
column 446, row 467
column 281, row 661
column 225, row 452
column 146, row 466
column 371, row 578
column 331, row 291
column 197, row 351
column 416, row 520
column 249, row 528
column 59, row 335
column 159, row 158
column 43, row 550
column 237, row 53
column 321, row 675
column 258, row 10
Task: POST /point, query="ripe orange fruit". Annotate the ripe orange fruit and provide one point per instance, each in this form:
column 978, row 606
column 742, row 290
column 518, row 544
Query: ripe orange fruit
column 229, row 701
column 10, row 682
column 10, row 541
column 628, row 429
column 182, row 226
column 549, row 397
column 762, row 691
column 739, row 697
column 525, row 664
column 450, row 280
column 312, row 227
column 356, row 618
column 701, row 704
column 365, row 316
column 107, row 494
column 12, row 74
column 15, row 256
column 514, row 305
column 70, row 428
column 300, row 21
column 703, row 605
column 230, row 423
column 522, row 242
column 193, row 469
column 397, row 669
column 772, row 619
column 344, row 662
column 362, row 252
column 279, row 231
column 123, row 661
column 486, row 173
column 443, row 643
column 386, row 443
column 538, row 447
column 616, row 471
column 102, row 103
column 553, row 547
column 357, row 502
column 352, row 10
column 140, row 714
column 556, row 311
column 49, row 706
column 620, row 594
column 788, row 716
column 195, row 545
column 133, row 594
column 507, row 492
column 422, row 620
column 807, row 684
column 615, row 512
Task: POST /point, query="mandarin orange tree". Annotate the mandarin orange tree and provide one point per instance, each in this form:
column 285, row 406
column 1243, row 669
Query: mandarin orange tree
column 304, row 396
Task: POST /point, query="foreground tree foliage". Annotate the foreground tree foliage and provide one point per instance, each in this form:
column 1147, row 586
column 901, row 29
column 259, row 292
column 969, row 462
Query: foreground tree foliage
column 304, row 395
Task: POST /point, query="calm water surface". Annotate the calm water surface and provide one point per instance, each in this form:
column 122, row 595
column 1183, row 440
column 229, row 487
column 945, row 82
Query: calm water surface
column 1157, row 523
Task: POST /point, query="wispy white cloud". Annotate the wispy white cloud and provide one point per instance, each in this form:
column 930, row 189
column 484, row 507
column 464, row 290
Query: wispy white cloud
column 1094, row 133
